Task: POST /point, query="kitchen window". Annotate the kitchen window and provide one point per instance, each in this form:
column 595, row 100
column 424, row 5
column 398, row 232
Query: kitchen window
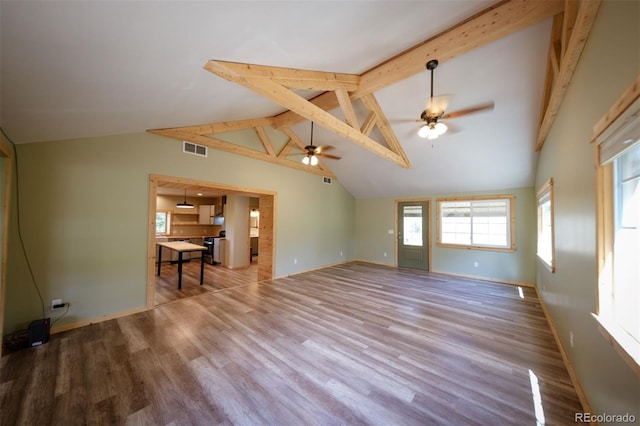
column 618, row 233
column 483, row 223
column 163, row 219
column 546, row 248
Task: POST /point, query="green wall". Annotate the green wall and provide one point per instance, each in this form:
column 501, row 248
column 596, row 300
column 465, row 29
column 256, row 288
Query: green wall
column 375, row 217
column 607, row 67
column 84, row 213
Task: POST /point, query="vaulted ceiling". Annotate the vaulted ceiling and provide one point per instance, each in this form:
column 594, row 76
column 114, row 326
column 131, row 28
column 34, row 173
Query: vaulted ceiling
column 249, row 77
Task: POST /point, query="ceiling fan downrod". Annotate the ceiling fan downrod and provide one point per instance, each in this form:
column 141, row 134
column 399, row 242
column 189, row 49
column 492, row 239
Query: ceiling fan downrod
column 432, row 65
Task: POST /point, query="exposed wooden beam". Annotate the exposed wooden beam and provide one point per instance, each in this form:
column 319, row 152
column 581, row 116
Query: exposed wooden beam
column 274, row 83
column 569, row 19
column 225, row 126
column 262, row 135
column 286, row 149
column 369, row 123
column 584, row 22
column 485, row 27
column 347, row 108
column 553, row 61
column 295, row 78
column 498, row 21
column 627, row 98
column 294, row 138
column 326, row 101
column 371, row 103
column 304, row 108
column 237, row 149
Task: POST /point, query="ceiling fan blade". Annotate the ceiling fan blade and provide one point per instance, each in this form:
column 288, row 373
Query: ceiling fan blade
column 321, row 149
column 437, row 105
column 329, row 156
column 460, row 113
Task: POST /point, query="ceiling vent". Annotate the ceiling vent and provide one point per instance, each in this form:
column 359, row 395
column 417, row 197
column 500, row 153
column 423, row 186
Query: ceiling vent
column 193, row 148
column 326, row 180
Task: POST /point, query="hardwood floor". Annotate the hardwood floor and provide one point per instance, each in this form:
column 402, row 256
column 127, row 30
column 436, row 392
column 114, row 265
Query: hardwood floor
column 350, row 344
column 215, row 278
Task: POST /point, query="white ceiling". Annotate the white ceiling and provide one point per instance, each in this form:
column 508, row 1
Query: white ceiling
column 91, row 68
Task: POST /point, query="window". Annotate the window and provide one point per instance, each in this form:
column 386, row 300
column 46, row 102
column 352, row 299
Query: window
column 412, row 225
column 162, row 222
column 477, row 222
column 546, row 250
column 618, row 190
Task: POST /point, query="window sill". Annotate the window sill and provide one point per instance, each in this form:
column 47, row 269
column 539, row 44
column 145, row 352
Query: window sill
column 551, row 267
column 626, row 346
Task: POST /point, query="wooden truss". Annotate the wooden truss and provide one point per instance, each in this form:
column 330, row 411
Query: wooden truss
column 572, row 22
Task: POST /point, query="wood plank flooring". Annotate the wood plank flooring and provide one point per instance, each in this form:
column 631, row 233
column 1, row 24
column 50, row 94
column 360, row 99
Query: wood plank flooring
column 216, row 278
column 351, row 344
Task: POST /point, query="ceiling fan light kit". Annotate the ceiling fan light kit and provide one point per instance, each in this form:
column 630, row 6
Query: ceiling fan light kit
column 313, row 152
column 310, row 160
column 432, row 130
column 435, row 111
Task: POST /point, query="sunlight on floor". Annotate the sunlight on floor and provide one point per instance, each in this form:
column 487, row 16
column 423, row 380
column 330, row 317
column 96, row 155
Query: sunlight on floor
column 537, row 399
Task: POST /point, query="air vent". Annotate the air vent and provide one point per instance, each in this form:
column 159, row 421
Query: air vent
column 326, row 180
column 195, row 149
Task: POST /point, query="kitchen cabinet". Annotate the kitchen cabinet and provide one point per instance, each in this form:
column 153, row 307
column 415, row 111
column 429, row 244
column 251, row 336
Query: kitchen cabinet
column 206, row 214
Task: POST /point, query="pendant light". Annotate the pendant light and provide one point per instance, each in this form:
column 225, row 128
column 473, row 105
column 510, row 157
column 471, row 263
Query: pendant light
column 184, row 205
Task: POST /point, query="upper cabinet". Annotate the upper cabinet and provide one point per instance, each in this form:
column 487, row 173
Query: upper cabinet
column 207, row 212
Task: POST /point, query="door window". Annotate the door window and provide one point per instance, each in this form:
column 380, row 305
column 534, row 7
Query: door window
column 412, row 224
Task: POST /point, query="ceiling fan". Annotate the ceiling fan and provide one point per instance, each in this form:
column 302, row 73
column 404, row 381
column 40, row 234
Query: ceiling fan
column 435, row 111
column 312, row 152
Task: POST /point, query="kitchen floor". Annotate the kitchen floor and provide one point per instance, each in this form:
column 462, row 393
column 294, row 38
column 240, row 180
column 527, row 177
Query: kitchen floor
column 215, row 278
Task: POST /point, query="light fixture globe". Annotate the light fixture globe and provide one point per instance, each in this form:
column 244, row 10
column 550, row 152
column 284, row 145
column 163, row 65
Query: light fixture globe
column 432, row 130
column 440, row 128
column 310, row 159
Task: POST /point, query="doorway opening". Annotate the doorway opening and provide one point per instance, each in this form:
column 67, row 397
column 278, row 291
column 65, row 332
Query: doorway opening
column 414, row 236
column 227, row 229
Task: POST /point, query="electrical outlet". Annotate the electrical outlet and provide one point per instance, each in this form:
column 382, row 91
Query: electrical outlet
column 385, row 254
column 295, row 261
column 340, row 252
column 55, row 304
column 571, row 338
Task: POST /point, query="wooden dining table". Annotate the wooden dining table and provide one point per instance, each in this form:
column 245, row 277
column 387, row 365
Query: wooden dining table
column 182, row 247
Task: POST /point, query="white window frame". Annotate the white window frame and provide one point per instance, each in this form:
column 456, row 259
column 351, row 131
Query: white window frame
column 167, row 214
column 615, row 134
column 510, row 245
column 546, row 243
